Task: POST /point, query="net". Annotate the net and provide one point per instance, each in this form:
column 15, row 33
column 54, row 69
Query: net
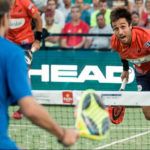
column 132, row 133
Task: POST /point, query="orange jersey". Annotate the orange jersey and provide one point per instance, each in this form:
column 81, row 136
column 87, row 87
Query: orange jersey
column 20, row 30
column 139, row 51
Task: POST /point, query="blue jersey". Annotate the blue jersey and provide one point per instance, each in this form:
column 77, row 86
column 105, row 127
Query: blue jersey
column 14, row 85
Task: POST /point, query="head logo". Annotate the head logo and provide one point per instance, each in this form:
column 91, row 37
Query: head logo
column 75, row 74
column 67, row 97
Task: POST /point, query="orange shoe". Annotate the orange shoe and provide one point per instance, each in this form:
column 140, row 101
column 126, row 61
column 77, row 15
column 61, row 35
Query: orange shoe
column 116, row 114
column 17, row 115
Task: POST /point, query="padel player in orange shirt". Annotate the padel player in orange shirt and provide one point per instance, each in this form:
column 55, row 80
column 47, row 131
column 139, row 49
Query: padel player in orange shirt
column 20, row 30
column 133, row 45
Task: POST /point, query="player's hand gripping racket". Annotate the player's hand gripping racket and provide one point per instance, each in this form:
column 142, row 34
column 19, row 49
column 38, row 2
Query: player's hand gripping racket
column 116, row 113
column 92, row 118
column 28, row 55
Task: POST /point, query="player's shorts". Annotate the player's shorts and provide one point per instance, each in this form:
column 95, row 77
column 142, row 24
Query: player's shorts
column 28, row 53
column 143, row 81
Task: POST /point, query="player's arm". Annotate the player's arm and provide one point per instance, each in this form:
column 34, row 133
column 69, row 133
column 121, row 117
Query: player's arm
column 20, row 90
column 38, row 33
column 125, row 64
column 35, row 15
column 39, row 116
column 53, row 39
column 125, row 73
column 38, row 22
column 63, row 42
column 63, row 39
column 88, row 42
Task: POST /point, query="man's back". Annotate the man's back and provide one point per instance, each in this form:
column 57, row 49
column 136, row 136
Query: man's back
column 11, row 56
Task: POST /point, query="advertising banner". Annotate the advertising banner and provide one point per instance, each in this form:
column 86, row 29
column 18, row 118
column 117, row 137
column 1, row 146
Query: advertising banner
column 78, row 70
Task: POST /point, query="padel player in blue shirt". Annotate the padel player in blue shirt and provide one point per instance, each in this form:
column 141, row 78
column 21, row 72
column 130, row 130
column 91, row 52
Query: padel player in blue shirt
column 13, row 84
column 14, row 88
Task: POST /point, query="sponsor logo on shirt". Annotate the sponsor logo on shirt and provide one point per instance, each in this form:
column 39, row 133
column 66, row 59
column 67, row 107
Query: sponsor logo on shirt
column 67, row 97
column 16, row 23
column 147, row 44
column 139, row 61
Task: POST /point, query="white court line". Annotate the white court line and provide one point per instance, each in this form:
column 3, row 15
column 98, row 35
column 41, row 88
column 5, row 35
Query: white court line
column 124, row 128
column 123, row 140
column 133, row 128
column 113, row 143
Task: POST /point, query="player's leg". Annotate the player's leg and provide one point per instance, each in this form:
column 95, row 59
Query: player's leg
column 28, row 57
column 143, row 84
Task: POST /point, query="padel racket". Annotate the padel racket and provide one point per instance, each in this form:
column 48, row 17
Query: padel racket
column 92, row 118
column 116, row 113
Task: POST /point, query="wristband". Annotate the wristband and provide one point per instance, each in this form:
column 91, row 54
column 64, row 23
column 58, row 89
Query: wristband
column 125, row 64
column 38, row 36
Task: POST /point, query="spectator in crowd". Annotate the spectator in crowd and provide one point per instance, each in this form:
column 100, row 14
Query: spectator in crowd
column 52, row 27
column 138, row 6
column 86, row 3
column 94, row 6
column 14, row 83
column 147, row 6
column 76, row 25
column 135, row 18
column 67, row 8
column 145, row 13
column 20, row 31
column 40, row 4
column 120, row 3
column 51, row 9
column 147, row 25
column 99, row 42
column 60, row 4
column 85, row 15
column 102, row 9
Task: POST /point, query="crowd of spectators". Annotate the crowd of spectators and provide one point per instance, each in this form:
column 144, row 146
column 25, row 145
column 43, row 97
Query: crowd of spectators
column 78, row 17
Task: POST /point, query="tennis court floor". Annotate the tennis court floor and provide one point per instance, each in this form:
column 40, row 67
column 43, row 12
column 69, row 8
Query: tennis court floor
column 133, row 133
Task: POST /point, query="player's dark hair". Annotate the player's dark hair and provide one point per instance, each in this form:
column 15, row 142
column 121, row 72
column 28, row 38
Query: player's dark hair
column 4, row 7
column 56, row 1
column 103, row 1
column 120, row 12
column 135, row 13
column 77, row 6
